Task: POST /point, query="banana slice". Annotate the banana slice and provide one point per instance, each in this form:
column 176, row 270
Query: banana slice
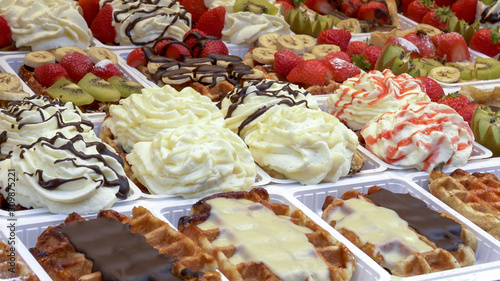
column 351, row 25
column 324, row 49
column 268, row 40
column 309, row 41
column 445, row 74
column 292, row 43
column 308, row 56
column 8, row 95
column 60, row 52
column 428, row 29
column 263, row 55
column 38, row 58
column 10, row 82
column 97, row 54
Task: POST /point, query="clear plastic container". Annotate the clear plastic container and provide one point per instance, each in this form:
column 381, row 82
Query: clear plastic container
column 487, row 264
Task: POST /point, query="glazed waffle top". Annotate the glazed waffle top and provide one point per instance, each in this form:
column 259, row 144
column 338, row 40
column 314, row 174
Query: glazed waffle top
column 476, row 196
column 78, row 249
column 393, row 235
column 20, row 269
column 254, row 239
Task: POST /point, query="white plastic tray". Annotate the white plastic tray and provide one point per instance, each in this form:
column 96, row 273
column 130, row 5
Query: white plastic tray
column 22, row 253
column 488, row 249
column 366, row 269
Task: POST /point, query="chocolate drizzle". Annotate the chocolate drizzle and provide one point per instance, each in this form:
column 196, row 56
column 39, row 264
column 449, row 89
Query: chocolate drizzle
column 149, row 9
column 117, row 252
column 491, row 14
column 284, row 96
column 69, row 146
column 442, row 231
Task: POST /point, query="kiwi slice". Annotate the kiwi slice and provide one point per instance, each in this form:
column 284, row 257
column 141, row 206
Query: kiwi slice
column 486, row 127
column 66, row 90
column 301, row 23
column 124, row 86
column 466, row 73
column 486, row 68
column 429, row 64
column 99, row 88
column 392, row 57
column 255, row 6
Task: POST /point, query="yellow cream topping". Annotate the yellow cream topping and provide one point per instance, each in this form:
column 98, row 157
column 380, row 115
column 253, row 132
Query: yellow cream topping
column 261, row 236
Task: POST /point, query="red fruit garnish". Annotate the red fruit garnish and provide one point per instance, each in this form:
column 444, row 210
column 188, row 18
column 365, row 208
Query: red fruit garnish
column 192, row 36
column 285, row 60
column 48, row 74
column 374, row 11
column 467, row 112
column 196, row 8
column 341, row 70
column 455, row 101
column 137, row 58
column 77, row 65
column 423, row 43
column 337, row 54
column 350, row 7
column 211, row 47
column 356, row 48
column 417, row 9
column 5, row 33
column 106, row 69
column 371, row 55
column 437, row 17
column 407, row 45
column 486, row 41
column 406, row 3
column 451, row 46
column 442, row 3
column 212, row 21
column 90, row 9
column 321, row 6
column 309, row 72
column 432, row 88
column 465, row 10
column 286, row 5
column 337, row 37
column 172, row 48
column 101, row 25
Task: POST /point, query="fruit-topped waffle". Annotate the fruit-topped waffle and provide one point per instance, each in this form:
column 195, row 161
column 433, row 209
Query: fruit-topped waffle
column 36, row 25
column 201, row 62
column 90, row 79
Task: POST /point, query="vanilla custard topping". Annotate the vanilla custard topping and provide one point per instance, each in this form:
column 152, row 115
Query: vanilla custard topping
column 379, row 226
column 247, row 225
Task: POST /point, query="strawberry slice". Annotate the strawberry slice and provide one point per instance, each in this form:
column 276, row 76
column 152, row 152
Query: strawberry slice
column 106, row 69
column 340, row 70
column 309, row 72
column 172, row 48
column 285, row 60
column 50, row 73
column 137, row 58
column 102, row 27
column 451, row 46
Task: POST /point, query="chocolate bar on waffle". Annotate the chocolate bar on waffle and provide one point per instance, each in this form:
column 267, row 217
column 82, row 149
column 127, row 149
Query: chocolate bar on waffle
column 13, row 269
column 400, row 232
column 254, row 239
column 116, row 247
column 476, row 196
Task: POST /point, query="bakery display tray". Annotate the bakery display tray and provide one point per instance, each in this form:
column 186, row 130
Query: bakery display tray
column 487, row 266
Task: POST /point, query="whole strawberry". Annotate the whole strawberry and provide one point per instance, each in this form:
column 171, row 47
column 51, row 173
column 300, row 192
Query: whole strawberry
column 432, row 88
column 442, row 3
column 106, row 69
column 77, row 65
column 451, row 46
column 356, row 48
column 285, row 60
column 196, row 8
column 192, row 36
column 172, row 48
column 48, row 74
column 340, row 70
column 455, row 101
column 465, row 10
column 418, row 8
column 212, row 21
column 90, row 9
column 423, row 43
column 211, row 47
column 287, row 6
column 102, row 27
column 437, row 17
column 374, row 11
column 5, row 33
column 405, row 4
column 337, row 54
column 486, row 41
column 309, row 72
column 371, row 55
column 337, row 37
column 467, row 112
column 136, row 58
column 350, row 7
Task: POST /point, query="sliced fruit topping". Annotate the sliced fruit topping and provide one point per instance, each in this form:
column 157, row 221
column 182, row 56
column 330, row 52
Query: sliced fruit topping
column 432, row 88
column 310, row 72
column 137, row 58
column 66, row 91
column 423, row 43
column 5, row 33
column 301, row 23
column 102, row 27
column 340, row 70
column 212, row 21
column 374, row 11
column 285, row 61
column 407, row 45
column 125, row 86
column 106, row 69
column 451, row 46
column 196, row 8
column 486, row 68
column 38, row 58
column 455, row 101
column 99, row 88
column 337, row 37
column 486, row 128
column 356, row 48
column 445, row 74
column 90, row 9
column 192, row 36
column 172, row 48
column 77, row 65
column 211, row 47
column 48, row 74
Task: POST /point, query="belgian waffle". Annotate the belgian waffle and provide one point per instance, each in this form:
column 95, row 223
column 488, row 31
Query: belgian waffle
column 413, row 262
column 62, row 261
column 476, row 196
column 20, row 269
column 339, row 261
